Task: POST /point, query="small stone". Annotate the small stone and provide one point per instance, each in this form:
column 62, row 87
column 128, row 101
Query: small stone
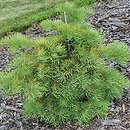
column 128, row 69
column 3, row 127
column 79, row 128
column 114, row 27
column 43, row 128
column 13, row 109
column 123, row 108
column 111, row 122
column 3, row 105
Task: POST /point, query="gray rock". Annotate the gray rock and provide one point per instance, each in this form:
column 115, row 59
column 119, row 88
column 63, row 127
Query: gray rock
column 2, row 127
column 111, row 122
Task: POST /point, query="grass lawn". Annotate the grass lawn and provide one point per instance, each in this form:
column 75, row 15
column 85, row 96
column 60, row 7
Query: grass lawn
column 18, row 14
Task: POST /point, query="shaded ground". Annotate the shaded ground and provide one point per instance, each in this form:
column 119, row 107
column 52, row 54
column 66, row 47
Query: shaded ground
column 111, row 18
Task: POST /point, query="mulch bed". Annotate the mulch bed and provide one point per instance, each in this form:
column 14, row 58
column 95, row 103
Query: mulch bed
column 111, row 18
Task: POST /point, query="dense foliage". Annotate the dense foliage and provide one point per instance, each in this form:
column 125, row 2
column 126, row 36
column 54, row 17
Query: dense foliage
column 64, row 77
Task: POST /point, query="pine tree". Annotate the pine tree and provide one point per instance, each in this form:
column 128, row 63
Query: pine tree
column 64, row 77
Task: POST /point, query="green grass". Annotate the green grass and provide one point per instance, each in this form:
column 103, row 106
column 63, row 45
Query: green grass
column 18, row 14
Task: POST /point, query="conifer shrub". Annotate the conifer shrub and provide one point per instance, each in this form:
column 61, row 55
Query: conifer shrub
column 75, row 12
column 64, row 77
column 84, row 2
